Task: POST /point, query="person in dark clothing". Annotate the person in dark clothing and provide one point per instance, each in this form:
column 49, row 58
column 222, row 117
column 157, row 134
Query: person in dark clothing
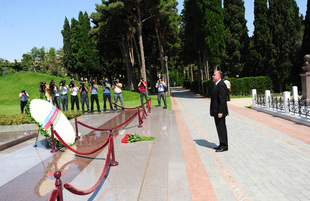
column 219, row 110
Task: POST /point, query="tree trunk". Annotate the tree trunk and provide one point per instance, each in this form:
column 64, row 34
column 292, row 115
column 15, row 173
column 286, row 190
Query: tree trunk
column 143, row 69
column 191, row 73
column 124, row 50
column 161, row 51
column 200, row 74
column 206, row 67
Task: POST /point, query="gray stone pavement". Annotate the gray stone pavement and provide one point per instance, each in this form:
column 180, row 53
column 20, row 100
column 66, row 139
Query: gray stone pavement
column 263, row 162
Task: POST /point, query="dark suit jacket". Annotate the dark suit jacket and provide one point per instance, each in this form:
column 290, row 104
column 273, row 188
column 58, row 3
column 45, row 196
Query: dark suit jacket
column 218, row 100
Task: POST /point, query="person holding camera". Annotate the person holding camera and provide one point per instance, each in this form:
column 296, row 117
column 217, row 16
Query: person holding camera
column 106, row 93
column 94, row 95
column 48, row 93
column 64, row 96
column 161, row 92
column 84, row 96
column 74, row 95
column 56, row 95
column 117, row 87
column 143, row 89
column 23, row 96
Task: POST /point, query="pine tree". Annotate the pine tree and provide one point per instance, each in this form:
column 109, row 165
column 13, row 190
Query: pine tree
column 237, row 39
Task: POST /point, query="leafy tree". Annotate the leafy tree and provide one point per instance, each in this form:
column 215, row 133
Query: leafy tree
column 26, row 62
column 204, row 34
column 237, row 39
column 166, row 29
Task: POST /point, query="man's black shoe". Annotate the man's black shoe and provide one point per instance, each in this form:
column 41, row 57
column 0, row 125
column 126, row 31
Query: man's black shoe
column 216, row 147
column 165, row 107
column 221, row 150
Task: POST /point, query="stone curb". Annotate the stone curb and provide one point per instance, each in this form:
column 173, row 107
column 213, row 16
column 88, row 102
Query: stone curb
column 299, row 120
column 17, row 141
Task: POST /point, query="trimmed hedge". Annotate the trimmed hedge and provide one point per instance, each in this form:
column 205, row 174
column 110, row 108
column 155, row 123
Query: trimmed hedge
column 239, row 86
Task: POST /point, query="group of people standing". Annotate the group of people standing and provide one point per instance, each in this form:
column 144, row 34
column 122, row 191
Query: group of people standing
column 55, row 94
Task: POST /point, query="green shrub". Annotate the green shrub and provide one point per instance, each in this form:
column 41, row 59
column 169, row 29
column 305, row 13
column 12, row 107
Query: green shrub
column 239, row 86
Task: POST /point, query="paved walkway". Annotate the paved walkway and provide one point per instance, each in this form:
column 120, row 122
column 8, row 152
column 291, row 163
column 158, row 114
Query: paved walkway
column 268, row 158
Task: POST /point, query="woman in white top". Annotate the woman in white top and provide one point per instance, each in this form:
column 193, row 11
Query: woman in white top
column 74, row 96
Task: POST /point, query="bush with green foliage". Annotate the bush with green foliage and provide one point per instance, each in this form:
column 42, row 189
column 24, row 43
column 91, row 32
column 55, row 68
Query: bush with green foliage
column 239, row 86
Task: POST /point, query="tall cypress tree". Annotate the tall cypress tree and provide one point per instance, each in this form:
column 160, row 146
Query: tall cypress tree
column 84, row 55
column 66, row 33
column 284, row 36
column 306, row 38
column 214, row 31
column 237, row 39
column 261, row 39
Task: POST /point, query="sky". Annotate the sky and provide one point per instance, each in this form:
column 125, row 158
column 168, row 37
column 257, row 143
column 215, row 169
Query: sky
column 38, row 23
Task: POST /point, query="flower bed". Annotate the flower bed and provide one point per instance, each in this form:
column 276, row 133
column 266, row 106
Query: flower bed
column 17, row 119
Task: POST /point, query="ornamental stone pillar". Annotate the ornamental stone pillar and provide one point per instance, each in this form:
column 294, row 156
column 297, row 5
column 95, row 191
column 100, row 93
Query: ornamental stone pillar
column 254, row 96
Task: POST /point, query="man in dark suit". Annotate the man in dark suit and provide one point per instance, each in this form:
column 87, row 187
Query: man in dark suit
column 219, row 110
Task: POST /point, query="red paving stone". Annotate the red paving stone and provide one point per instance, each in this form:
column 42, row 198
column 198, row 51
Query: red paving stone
column 199, row 182
column 290, row 128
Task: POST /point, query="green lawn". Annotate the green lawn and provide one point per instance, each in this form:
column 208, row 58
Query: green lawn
column 12, row 85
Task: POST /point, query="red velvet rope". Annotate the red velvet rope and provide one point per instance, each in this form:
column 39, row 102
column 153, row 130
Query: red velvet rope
column 79, row 191
column 108, row 129
column 54, row 195
column 80, row 152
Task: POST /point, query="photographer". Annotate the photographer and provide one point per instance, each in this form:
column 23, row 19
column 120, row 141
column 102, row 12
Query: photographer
column 117, row 87
column 161, row 92
column 64, row 96
column 42, row 89
column 94, row 95
column 23, row 96
column 74, row 95
column 84, row 96
column 56, row 94
column 143, row 89
column 106, row 93
column 48, row 94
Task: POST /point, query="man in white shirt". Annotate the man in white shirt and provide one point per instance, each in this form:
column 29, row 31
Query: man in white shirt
column 160, row 85
column 64, row 96
column 117, row 87
column 74, row 96
column 228, row 87
column 23, row 96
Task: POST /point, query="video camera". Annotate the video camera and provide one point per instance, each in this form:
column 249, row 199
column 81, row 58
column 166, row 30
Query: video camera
column 52, row 85
column 103, row 81
column 42, row 87
column 62, row 83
